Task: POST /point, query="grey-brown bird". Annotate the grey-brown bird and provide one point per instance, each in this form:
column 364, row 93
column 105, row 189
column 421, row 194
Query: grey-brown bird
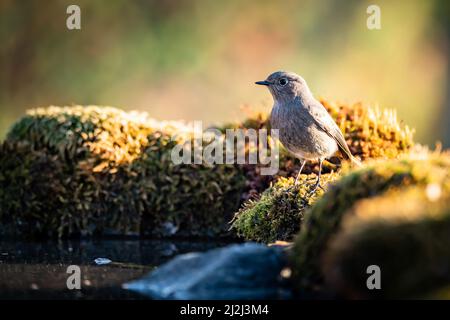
column 305, row 127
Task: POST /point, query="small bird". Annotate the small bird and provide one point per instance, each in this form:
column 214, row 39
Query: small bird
column 305, row 127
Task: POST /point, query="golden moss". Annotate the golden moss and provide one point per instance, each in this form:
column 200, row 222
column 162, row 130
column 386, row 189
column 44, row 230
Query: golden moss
column 324, row 219
column 370, row 132
column 278, row 213
column 114, row 136
column 85, row 170
column 404, row 232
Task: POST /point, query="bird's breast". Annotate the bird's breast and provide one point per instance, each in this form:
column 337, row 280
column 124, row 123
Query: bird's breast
column 300, row 135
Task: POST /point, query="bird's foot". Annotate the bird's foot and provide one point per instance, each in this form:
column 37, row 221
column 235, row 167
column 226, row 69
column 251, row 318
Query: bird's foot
column 296, row 184
column 306, row 179
column 315, row 187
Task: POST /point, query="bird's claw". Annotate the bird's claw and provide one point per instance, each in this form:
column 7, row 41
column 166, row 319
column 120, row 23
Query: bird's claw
column 315, row 186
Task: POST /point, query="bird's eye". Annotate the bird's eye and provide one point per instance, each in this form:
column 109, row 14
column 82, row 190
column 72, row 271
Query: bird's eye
column 283, row 81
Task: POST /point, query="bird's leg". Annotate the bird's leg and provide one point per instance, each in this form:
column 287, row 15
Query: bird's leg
column 299, row 172
column 317, row 184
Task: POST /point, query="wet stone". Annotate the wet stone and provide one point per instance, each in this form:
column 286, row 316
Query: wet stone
column 239, row 271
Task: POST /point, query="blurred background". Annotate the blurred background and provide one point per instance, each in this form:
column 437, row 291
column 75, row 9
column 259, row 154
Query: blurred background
column 197, row 60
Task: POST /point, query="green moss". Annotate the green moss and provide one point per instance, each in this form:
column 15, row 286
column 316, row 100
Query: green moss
column 323, row 220
column 404, row 232
column 91, row 170
column 278, row 213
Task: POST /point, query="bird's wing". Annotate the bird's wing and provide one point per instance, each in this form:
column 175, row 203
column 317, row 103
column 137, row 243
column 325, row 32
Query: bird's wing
column 327, row 124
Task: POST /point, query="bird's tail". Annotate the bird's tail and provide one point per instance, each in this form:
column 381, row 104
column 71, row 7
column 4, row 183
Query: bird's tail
column 355, row 161
column 347, row 154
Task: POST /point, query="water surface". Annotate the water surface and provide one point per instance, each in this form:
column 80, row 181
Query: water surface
column 38, row 270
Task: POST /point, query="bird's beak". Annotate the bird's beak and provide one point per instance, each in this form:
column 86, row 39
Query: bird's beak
column 263, row 83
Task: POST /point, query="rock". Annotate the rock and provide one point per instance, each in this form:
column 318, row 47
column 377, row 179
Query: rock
column 405, row 223
column 239, row 271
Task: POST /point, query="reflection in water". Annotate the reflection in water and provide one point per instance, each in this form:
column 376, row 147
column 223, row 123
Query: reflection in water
column 37, row 270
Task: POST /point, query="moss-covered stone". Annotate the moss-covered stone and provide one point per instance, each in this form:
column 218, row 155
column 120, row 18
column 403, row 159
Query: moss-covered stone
column 91, row 170
column 278, row 213
column 404, row 232
column 324, row 219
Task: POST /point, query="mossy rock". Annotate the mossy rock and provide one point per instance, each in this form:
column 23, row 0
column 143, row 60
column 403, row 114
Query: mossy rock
column 405, row 233
column 92, row 170
column 278, row 213
column 325, row 217
column 97, row 170
column 370, row 134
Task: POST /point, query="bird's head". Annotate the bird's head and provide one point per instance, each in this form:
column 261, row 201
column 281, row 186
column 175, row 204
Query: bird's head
column 285, row 86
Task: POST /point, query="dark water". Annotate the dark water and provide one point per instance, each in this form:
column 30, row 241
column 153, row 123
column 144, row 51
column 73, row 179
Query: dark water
column 38, row 270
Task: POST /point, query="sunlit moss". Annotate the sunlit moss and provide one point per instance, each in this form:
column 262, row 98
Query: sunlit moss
column 324, row 219
column 93, row 170
column 370, row 132
column 278, row 213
